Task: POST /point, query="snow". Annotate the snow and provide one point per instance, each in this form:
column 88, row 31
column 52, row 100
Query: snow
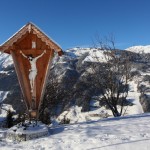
column 3, row 95
column 75, row 115
column 96, row 55
column 122, row 133
column 139, row 49
column 77, row 51
column 5, row 60
column 3, row 111
column 93, row 54
column 133, row 96
column 86, row 131
column 29, row 129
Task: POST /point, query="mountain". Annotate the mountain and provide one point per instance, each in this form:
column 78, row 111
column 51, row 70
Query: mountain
column 70, row 69
column 10, row 92
column 139, row 49
column 68, row 97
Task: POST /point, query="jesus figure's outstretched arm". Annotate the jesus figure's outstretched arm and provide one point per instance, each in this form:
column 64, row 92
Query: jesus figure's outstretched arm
column 40, row 55
column 23, row 54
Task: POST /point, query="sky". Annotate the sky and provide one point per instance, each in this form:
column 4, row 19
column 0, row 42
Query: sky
column 74, row 23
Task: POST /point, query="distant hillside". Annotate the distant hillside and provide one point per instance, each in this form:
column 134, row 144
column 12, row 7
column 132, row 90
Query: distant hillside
column 69, row 69
column 139, row 49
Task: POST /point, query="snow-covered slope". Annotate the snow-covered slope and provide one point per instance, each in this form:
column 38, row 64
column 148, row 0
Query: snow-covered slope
column 67, row 65
column 91, row 54
column 5, row 61
column 126, row 133
column 89, row 132
column 3, row 95
column 139, row 49
column 77, row 51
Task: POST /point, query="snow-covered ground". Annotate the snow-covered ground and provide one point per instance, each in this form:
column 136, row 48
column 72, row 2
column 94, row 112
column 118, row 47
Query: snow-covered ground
column 133, row 96
column 126, row 133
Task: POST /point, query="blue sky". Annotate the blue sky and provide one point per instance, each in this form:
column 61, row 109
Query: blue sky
column 75, row 22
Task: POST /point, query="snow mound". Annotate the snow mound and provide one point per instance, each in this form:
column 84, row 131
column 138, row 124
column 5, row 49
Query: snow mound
column 139, row 49
column 3, row 111
column 28, row 128
column 75, row 115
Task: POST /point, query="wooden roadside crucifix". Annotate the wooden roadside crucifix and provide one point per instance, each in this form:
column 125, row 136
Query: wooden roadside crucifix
column 32, row 51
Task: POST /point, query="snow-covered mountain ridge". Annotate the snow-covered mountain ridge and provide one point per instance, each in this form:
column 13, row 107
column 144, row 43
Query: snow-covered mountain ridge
column 86, row 131
column 6, row 60
column 139, row 49
column 71, row 64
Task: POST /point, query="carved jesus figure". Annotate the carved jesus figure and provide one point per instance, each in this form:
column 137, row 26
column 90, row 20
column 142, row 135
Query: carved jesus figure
column 33, row 70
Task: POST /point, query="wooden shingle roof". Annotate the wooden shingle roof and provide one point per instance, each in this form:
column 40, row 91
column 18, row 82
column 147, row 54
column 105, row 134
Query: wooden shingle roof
column 28, row 28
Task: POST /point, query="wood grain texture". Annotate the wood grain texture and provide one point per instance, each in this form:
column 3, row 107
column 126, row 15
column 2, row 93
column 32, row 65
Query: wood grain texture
column 22, row 41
